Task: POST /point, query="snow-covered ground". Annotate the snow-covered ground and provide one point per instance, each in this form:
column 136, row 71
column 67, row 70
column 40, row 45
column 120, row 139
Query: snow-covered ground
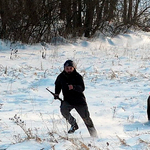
column 116, row 73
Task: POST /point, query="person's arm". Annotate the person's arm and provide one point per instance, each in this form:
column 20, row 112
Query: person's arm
column 57, row 86
column 79, row 87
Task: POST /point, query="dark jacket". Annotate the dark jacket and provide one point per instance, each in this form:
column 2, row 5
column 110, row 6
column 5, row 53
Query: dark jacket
column 74, row 96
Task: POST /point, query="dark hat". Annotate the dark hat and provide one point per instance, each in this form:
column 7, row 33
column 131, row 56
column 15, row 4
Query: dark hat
column 69, row 63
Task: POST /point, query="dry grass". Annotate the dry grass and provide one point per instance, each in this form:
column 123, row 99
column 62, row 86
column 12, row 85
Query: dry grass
column 122, row 141
column 55, row 136
column 145, row 142
column 17, row 120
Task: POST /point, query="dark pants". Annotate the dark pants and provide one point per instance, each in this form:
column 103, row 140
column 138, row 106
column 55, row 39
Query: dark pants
column 83, row 112
column 148, row 108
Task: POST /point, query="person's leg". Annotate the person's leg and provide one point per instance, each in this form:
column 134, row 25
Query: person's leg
column 65, row 109
column 85, row 115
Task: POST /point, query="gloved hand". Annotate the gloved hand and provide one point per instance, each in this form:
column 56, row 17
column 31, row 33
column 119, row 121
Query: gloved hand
column 56, row 96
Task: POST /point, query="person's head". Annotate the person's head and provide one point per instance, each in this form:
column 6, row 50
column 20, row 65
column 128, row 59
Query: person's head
column 69, row 66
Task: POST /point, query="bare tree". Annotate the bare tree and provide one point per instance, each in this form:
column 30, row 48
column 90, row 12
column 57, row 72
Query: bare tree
column 35, row 21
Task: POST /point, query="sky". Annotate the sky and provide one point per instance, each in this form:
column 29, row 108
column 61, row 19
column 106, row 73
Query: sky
column 116, row 73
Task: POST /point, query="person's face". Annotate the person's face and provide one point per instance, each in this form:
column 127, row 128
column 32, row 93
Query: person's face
column 69, row 69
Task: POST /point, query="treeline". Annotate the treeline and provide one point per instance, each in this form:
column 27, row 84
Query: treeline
column 32, row 21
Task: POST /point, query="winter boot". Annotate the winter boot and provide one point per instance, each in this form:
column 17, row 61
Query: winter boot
column 92, row 132
column 73, row 128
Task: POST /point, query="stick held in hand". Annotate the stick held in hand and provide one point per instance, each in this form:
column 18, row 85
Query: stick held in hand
column 56, row 96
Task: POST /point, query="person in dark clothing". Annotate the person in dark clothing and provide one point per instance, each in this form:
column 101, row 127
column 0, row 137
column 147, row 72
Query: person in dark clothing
column 148, row 108
column 72, row 86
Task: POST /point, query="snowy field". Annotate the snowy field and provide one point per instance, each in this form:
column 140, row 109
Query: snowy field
column 116, row 72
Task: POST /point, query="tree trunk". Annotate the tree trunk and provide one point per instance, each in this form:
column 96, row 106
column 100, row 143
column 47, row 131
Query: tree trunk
column 75, row 14
column 62, row 9
column 79, row 18
column 136, row 9
column 130, row 11
column 3, row 10
column 125, row 12
column 112, row 8
column 68, row 16
column 89, row 17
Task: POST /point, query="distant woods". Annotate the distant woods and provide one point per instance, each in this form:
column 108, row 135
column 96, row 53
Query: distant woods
column 32, row 21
